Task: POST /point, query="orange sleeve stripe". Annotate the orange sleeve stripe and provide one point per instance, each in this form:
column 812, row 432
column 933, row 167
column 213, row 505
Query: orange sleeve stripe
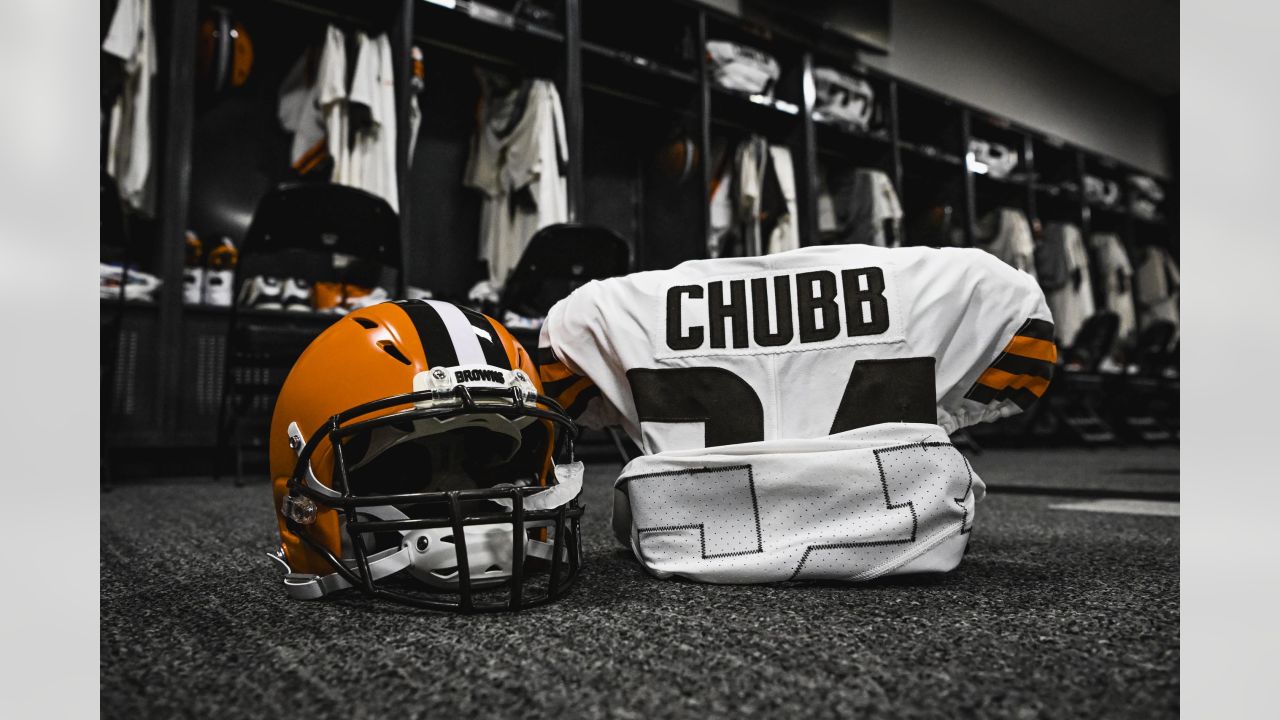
column 568, row 396
column 999, row 380
column 554, row 372
column 1033, row 348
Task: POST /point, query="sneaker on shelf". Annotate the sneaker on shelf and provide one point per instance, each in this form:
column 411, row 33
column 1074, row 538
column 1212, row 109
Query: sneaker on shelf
column 218, row 274
column 217, row 287
column 416, row 293
column 193, row 270
column 327, row 296
column 512, row 321
column 365, row 297
column 138, row 286
column 296, row 295
column 342, row 298
column 262, row 292
column 192, row 285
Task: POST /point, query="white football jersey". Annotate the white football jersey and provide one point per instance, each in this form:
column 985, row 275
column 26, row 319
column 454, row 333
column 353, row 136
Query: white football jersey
column 373, row 150
column 805, row 368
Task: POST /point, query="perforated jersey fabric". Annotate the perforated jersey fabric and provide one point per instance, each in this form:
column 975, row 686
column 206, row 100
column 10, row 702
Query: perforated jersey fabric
column 887, row 499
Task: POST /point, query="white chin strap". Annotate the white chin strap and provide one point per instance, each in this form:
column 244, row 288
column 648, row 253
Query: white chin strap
column 430, row 554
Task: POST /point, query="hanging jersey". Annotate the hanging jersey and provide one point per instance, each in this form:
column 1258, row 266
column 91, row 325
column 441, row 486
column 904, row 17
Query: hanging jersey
column 753, row 206
column 785, row 234
column 1006, row 234
column 1071, row 303
column 516, row 157
column 332, row 99
column 1158, row 281
column 299, row 113
column 1116, row 274
column 131, row 37
column 373, row 150
column 874, row 213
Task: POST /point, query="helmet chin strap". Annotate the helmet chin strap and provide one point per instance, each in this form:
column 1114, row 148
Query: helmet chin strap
column 429, row 554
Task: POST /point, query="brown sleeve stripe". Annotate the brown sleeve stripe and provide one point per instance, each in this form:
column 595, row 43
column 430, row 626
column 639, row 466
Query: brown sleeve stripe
column 567, row 398
column 579, row 404
column 1038, row 329
column 1000, row 380
column 1019, row 365
column 1021, row 396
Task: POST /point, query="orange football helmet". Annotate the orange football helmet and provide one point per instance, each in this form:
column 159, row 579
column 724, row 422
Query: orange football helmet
column 412, row 458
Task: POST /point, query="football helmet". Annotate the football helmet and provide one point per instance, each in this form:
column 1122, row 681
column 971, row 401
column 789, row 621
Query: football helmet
column 842, row 99
column 413, row 458
column 992, row 158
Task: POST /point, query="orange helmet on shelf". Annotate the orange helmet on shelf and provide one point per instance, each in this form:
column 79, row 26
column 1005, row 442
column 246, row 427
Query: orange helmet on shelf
column 412, row 458
column 224, row 52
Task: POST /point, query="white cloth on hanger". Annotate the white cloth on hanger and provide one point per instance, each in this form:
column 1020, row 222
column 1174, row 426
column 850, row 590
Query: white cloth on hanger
column 1006, row 234
column 415, row 124
column 753, row 206
column 721, row 210
column 373, row 149
column 1158, row 282
column 132, row 38
column 516, row 161
column 874, row 203
column 1072, row 303
column 786, row 234
column 1116, row 274
column 299, row 113
column 752, row 164
column 857, row 209
column 417, row 82
column 331, row 77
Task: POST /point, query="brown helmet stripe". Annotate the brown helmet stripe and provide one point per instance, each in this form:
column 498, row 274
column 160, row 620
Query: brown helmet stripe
column 439, row 351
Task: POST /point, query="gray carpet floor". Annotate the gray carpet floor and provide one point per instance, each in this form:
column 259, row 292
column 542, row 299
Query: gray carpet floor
column 1052, row 614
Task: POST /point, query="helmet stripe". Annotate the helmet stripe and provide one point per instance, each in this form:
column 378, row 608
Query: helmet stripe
column 495, row 353
column 461, row 333
column 438, row 351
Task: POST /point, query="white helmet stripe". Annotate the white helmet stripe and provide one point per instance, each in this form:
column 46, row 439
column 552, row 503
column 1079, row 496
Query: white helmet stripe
column 461, row 333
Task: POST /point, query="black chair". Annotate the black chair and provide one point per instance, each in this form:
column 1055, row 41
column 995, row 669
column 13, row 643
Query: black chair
column 558, row 260
column 317, row 233
column 1077, row 395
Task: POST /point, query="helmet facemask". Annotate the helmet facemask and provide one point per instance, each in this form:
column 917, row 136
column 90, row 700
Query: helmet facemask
column 447, row 504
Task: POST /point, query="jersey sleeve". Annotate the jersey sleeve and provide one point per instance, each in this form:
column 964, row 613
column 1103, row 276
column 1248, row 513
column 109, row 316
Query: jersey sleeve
column 568, row 359
column 1017, row 363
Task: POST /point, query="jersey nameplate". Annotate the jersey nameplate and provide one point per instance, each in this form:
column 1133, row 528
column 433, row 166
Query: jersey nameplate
column 781, row 313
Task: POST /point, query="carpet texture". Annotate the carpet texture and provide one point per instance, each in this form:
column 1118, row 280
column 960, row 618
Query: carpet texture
column 1052, row 614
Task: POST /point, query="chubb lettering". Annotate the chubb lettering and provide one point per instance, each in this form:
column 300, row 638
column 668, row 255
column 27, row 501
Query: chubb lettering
column 782, row 309
column 492, row 376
